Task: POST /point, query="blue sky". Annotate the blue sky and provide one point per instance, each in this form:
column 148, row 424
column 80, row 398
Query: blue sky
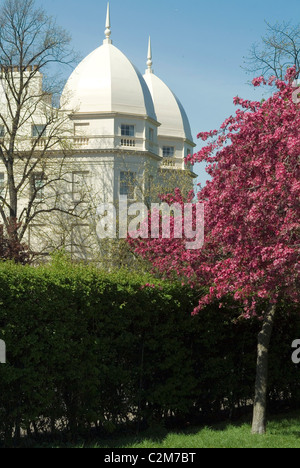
column 198, row 46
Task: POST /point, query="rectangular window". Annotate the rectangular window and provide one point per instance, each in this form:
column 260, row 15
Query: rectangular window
column 79, row 185
column 151, row 134
column 168, row 151
column 149, row 188
column 2, row 186
column 127, row 184
column 2, row 131
column 38, row 130
column 37, row 185
column 188, row 151
column 127, row 130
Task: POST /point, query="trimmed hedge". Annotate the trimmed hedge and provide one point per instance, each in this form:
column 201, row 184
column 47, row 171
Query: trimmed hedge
column 92, row 349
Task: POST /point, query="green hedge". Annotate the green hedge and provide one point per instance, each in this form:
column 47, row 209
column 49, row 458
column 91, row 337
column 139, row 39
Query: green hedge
column 92, row 349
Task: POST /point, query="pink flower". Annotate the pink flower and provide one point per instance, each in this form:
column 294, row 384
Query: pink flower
column 252, row 208
column 258, row 81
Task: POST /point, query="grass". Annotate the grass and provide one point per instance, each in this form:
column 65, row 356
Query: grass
column 283, row 432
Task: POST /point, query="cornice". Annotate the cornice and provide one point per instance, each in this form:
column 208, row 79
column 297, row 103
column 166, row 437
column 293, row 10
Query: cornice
column 112, row 115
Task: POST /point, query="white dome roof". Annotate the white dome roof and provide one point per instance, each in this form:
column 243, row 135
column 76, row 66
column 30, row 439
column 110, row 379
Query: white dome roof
column 168, row 109
column 106, row 81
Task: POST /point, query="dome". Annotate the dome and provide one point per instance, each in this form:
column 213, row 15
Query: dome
column 169, row 111
column 106, row 81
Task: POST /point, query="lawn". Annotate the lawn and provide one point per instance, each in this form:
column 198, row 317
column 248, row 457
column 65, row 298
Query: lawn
column 283, row 432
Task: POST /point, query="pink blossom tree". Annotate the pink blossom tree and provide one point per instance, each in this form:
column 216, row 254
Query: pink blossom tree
column 252, row 218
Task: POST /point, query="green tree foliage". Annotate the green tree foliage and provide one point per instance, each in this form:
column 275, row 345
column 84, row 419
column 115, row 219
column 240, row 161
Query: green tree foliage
column 89, row 349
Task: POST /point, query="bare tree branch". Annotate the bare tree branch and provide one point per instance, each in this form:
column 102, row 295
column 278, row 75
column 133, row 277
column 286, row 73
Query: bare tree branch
column 278, row 50
column 34, row 130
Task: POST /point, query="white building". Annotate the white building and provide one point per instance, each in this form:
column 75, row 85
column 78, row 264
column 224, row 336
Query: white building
column 120, row 115
column 127, row 133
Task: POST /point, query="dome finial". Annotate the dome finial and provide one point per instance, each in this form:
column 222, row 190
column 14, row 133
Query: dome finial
column 107, row 25
column 149, row 57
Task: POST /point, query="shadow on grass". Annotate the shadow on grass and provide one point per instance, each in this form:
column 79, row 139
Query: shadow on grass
column 127, row 436
column 285, row 425
column 281, row 425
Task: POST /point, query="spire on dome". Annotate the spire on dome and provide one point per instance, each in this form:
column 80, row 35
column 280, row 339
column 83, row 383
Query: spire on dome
column 107, row 26
column 149, row 61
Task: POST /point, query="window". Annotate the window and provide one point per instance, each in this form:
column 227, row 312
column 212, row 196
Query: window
column 127, row 130
column 2, row 186
column 168, row 151
column 37, row 186
column 151, row 134
column 188, row 151
column 79, row 184
column 149, row 186
column 127, row 184
column 2, row 131
column 38, row 130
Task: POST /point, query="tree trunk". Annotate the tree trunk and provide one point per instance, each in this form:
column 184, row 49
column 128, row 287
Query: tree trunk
column 261, row 385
